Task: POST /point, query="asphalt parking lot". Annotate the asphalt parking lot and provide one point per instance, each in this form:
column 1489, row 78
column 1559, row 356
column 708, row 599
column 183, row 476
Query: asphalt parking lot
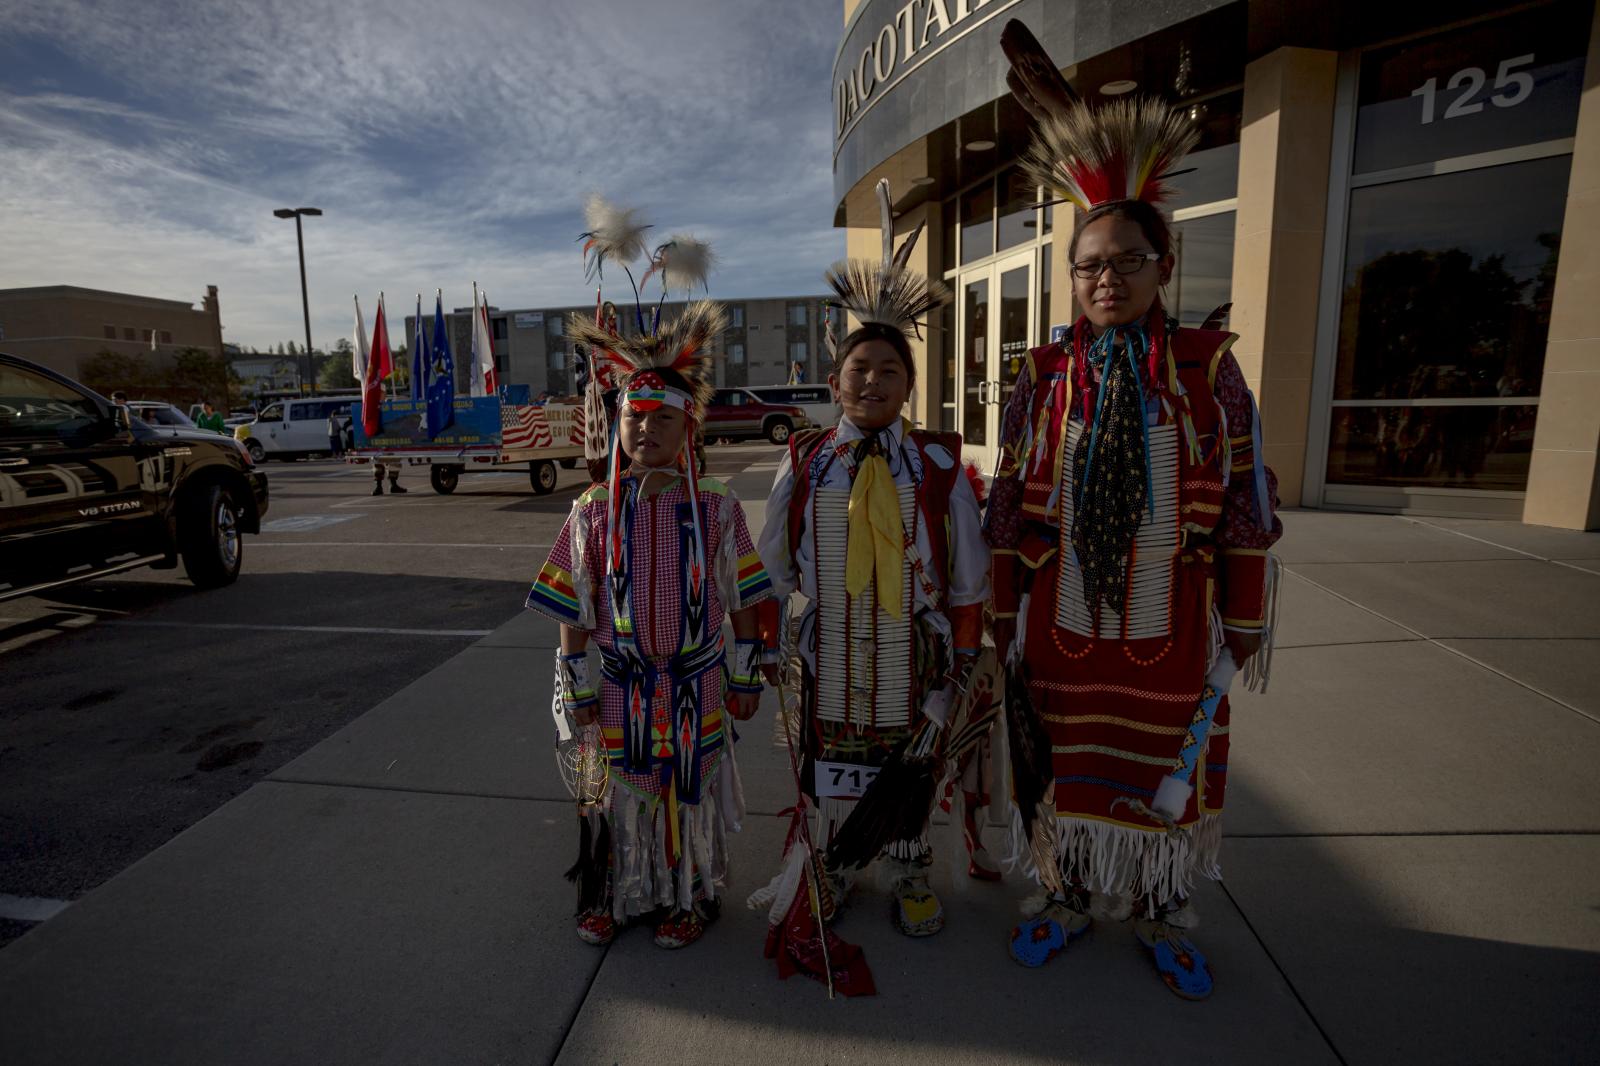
column 137, row 705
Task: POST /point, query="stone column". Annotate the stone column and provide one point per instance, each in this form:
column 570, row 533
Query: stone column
column 1564, row 479
column 1284, row 150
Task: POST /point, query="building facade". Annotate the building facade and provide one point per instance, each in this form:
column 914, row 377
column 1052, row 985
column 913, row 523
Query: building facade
column 1395, row 207
column 764, row 338
column 64, row 326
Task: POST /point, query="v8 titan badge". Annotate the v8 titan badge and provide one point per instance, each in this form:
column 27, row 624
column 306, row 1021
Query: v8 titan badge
column 842, row 780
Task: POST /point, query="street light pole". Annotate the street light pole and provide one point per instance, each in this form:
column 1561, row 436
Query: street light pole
column 305, row 301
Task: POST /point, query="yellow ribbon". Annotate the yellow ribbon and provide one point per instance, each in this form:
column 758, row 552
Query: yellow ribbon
column 876, row 536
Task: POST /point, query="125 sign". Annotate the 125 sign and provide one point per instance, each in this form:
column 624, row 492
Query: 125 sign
column 1512, row 87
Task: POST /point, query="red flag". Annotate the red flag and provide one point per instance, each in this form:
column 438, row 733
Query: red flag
column 380, row 364
column 484, row 379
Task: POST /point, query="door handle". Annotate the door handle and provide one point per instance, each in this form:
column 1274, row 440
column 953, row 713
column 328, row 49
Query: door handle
column 983, row 393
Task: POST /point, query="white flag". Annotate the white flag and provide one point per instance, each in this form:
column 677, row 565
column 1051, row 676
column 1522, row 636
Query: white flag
column 483, row 376
column 358, row 357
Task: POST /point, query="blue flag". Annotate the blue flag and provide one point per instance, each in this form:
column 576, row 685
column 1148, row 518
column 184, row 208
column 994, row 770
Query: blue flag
column 420, row 356
column 441, row 374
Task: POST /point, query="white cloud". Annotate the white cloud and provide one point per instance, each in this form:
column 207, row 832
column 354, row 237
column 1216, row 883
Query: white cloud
column 445, row 145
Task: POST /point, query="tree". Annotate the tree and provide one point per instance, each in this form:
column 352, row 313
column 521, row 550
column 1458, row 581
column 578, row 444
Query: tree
column 108, row 371
column 201, row 375
column 335, row 371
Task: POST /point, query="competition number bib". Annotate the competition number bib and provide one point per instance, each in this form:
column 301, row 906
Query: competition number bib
column 842, row 780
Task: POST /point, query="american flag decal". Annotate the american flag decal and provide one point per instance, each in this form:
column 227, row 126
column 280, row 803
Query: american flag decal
column 528, row 426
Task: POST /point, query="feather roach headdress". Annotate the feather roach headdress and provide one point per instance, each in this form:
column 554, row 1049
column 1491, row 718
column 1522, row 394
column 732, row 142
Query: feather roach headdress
column 1116, row 151
column 678, row 354
column 1091, row 155
column 887, row 292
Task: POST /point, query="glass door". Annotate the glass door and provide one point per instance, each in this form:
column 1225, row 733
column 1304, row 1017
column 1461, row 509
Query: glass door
column 996, row 317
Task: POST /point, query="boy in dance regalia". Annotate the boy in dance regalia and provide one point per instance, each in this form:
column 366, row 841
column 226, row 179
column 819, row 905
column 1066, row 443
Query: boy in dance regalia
column 644, row 570
column 876, row 524
column 1130, row 519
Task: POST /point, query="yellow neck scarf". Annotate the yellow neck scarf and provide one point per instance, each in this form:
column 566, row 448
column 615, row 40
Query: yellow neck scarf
column 876, row 540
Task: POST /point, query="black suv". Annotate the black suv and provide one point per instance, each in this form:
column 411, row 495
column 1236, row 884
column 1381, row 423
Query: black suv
column 86, row 490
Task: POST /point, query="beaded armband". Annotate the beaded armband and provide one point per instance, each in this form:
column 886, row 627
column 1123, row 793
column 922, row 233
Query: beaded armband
column 744, row 668
column 572, row 679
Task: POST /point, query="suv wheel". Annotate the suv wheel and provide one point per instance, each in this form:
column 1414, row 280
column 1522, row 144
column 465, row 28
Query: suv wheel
column 209, row 538
column 258, row 454
column 778, row 430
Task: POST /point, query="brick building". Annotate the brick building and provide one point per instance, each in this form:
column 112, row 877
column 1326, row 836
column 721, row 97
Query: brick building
column 64, row 326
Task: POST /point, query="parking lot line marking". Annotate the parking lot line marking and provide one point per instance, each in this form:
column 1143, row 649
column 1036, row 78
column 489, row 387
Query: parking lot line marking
column 304, row 523
column 386, row 544
column 373, row 630
column 31, row 908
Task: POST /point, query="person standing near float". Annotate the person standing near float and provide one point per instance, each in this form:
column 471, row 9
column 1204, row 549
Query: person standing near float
column 1130, row 519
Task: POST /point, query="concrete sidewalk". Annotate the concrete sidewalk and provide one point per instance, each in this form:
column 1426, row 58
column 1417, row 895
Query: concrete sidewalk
column 1413, row 873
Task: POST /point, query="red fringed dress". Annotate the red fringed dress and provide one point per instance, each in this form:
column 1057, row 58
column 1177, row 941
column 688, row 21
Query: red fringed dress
column 1116, row 693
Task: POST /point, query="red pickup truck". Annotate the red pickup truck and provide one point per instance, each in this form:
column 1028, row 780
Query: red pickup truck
column 738, row 414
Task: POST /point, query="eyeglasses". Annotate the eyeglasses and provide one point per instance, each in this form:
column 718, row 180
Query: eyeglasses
column 1131, row 263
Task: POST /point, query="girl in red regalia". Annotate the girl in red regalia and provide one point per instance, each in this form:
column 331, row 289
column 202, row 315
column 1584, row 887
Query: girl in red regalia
column 1130, row 520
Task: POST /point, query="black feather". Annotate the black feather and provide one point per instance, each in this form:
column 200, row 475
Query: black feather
column 894, row 807
column 593, row 868
column 1034, row 79
column 1030, row 747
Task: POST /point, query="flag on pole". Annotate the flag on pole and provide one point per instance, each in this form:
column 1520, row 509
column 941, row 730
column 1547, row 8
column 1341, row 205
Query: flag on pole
column 419, row 354
column 483, row 375
column 441, row 390
column 358, row 357
column 379, row 364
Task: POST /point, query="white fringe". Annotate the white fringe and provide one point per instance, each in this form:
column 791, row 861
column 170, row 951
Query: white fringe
column 1215, row 643
column 1121, row 863
column 725, row 568
column 1258, row 671
column 643, row 880
column 582, row 583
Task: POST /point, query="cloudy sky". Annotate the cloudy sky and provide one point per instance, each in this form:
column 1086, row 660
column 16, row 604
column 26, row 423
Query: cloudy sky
column 145, row 143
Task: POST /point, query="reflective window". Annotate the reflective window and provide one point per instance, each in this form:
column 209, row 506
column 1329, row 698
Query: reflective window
column 947, row 246
column 975, row 361
column 1203, row 178
column 34, row 406
column 1043, row 334
column 977, row 223
column 1018, row 222
column 1448, row 282
column 947, row 367
column 1442, row 447
column 1202, row 280
column 1497, row 84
